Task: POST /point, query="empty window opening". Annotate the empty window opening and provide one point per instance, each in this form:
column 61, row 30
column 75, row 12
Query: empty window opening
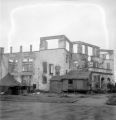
column 90, row 51
column 44, row 79
column 53, row 43
column 108, row 65
column 34, row 86
column 102, row 79
column 57, row 70
column 51, row 69
column 30, row 59
column 83, row 49
column 67, row 45
column 44, row 67
column 109, row 79
column 89, row 58
column 67, row 58
column 70, row 81
column 75, row 48
column 25, row 60
column 107, row 56
column 66, row 71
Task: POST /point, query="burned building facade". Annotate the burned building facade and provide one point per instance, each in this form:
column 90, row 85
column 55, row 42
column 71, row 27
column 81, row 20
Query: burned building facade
column 37, row 68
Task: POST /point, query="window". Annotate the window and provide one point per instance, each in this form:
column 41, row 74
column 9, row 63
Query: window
column 75, row 46
column 90, row 51
column 90, row 64
column 108, row 79
column 107, row 56
column 16, row 61
column 34, row 86
column 95, row 64
column 11, row 60
column 102, row 79
column 51, row 69
column 76, row 64
column 66, row 58
column 44, row 67
column 25, row 60
column 67, row 45
column 30, row 60
column 89, row 58
column 66, row 71
column 12, row 66
column 70, row 81
column 52, row 43
column 27, row 67
column 57, row 70
column 83, row 49
column 108, row 65
column 44, row 79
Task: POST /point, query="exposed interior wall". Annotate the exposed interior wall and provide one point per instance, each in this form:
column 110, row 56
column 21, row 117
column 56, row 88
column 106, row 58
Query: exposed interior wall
column 57, row 58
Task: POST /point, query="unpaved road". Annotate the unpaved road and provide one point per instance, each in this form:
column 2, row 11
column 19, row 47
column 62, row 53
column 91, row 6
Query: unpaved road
column 88, row 108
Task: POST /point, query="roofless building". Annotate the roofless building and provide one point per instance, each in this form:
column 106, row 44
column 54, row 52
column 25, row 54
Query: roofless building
column 60, row 65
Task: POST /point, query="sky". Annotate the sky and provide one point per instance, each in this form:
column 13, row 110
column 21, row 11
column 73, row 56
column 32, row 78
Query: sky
column 23, row 22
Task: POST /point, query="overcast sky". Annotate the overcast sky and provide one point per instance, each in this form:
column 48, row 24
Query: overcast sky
column 23, row 22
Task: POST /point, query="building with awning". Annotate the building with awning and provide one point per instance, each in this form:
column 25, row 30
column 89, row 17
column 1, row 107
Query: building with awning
column 72, row 81
column 9, row 85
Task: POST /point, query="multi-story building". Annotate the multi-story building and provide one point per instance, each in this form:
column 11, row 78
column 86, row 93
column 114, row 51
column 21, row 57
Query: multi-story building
column 36, row 68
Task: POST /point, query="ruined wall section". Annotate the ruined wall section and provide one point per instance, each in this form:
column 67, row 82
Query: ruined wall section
column 3, row 63
column 56, row 57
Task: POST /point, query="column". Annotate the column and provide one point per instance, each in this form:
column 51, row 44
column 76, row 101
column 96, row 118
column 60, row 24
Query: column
column 79, row 48
column 30, row 48
column 21, row 49
column 43, row 44
column 62, row 43
column 93, row 51
column 86, row 49
column 11, row 50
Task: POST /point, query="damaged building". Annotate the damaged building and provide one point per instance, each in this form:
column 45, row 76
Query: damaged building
column 64, row 66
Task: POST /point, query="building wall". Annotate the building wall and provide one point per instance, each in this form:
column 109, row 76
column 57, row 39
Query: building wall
column 60, row 57
column 16, row 65
column 57, row 57
column 3, row 64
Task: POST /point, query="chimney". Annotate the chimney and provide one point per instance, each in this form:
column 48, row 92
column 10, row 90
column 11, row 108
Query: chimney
column 21, row 49
column 30, row 48
column 1, row 50
column 10, row 49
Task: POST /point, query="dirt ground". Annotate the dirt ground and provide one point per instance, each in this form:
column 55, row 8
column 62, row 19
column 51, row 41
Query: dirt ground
column 55, row 107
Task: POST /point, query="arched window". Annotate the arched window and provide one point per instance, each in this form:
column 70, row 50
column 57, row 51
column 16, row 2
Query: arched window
column 102, row 79
column 44, row 79
column 108, row 79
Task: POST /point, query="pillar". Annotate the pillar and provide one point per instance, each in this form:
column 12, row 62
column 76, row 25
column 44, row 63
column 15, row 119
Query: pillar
column 86, row 49
column 62, row 43
column 93, row 51
column 30, row 48
column 79, row 48
column 43, row 44
column 71, row 47
column 1, row 50
column 21, row 49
